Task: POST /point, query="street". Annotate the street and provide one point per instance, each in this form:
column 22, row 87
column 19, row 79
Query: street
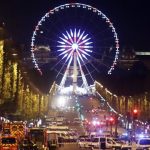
column 69, row 146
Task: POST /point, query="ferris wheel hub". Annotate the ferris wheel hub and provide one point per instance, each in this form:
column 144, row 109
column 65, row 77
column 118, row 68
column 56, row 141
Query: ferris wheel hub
column 75, row 46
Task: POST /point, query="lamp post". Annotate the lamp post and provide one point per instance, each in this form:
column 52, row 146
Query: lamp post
column 116, row 125
column 111, row 120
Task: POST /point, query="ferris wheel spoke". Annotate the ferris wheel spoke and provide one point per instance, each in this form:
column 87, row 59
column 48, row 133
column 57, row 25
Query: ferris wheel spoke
column 60, row 70
column 80, row 56
column 82, row 74
column 69, row 56
column 71, row 32
column 80, row 37
column 84, row 56
column 65, row 74
column 60, row 50
column 66, row 41
column 84, row 37
column 88, row 50
column 69, row 37
column 88, row 43
column 86, row 46
column 100, row 46
column 64, row 36
column 89, row 72
column 84, row 52
column 75, row 35
column 84, row 41
column 68, row 65
column 65, row 51
column 94, row 66
column 78, row 34
column 52, row 68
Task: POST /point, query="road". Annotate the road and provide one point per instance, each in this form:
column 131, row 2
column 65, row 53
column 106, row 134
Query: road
column 85, row 107
column 70, row 146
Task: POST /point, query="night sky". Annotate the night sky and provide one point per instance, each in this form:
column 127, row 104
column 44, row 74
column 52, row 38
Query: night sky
column 131, row 18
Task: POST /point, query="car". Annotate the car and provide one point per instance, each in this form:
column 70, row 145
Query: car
column 27, row 144
column 60, row 123
column 76, row 121
column 84, row 142
column 124, row 145
column 104, row 143
column 143, row 144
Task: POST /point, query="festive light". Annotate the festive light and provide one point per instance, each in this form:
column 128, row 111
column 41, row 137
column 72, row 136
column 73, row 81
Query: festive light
column 75, row 41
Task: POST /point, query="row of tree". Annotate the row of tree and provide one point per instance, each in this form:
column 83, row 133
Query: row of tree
column 126, row 104
column 17, row 93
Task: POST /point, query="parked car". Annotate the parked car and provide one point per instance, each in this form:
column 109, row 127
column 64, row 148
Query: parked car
column 104, row 143
column 76, row 121
column 84, row 142
column 143, row 144
column 124, row 145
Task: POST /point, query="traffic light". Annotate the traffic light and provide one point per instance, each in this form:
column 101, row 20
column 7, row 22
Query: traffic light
column 135, row 114
column 111, row 120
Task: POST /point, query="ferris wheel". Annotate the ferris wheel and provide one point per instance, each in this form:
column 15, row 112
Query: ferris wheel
column 77, row 41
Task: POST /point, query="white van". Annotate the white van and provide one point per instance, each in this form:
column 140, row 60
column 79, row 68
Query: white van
column 84, row 142
column 104, row 143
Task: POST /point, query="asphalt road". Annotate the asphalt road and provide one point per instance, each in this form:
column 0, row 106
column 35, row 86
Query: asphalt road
column 70, row 146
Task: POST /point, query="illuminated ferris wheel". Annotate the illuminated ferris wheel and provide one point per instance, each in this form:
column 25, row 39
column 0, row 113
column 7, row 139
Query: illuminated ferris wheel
column 78, row 42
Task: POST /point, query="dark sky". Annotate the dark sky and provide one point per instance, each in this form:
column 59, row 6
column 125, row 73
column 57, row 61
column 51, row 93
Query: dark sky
column 131, row 18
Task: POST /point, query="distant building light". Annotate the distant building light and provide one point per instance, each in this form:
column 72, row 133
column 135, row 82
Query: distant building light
column 14, row 54
column 143, row 53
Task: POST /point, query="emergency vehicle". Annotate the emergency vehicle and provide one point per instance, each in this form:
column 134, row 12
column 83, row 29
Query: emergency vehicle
column 37, row 135
column 47, row 137
column 8, row 142
column 16, row 129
